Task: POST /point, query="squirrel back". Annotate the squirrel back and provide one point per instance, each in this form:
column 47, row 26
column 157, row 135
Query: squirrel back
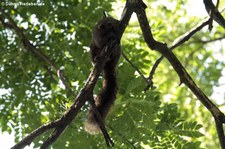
column 104, row 30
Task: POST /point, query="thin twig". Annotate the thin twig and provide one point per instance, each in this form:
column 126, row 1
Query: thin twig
column 123, row 137
column 136, row 68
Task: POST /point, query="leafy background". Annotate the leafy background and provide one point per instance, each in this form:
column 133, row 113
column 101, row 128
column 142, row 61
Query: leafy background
column 166, row 116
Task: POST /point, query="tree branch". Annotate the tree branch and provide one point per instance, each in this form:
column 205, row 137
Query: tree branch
column 86, row 93
column 83, row 96
column 183, row 74
column 29, row 138
column 139, row 72
column 26, row 43
column 179, row 41
column 108, row 140
column 213, row 12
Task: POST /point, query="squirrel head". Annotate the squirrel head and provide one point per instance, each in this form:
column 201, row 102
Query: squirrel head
column 107, row 24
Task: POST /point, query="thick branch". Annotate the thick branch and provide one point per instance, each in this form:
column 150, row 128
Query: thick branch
column 92, row 79
column 184, row 76
column 179, row 41
column 81, row 98
column 178, row 67
column 29, row 138
column 214, row 13
column 87, row 90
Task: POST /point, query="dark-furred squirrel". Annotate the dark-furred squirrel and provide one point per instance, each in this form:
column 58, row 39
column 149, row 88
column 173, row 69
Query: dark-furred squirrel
column 106, row 29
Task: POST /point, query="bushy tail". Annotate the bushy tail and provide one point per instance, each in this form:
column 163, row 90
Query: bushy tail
column 105, row 99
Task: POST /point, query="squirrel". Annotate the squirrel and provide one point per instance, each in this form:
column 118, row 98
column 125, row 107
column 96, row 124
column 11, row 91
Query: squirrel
column 104, row 30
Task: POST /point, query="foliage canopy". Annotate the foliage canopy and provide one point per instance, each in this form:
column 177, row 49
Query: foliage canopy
column 166, row 116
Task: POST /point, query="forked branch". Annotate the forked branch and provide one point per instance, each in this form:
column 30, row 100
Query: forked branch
column 181, row 71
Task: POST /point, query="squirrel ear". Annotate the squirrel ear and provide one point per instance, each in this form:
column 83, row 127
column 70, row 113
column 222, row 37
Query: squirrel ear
column 104, row 14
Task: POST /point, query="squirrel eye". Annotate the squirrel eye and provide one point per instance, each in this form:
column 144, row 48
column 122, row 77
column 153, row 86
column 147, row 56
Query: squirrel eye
column 109, row 23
